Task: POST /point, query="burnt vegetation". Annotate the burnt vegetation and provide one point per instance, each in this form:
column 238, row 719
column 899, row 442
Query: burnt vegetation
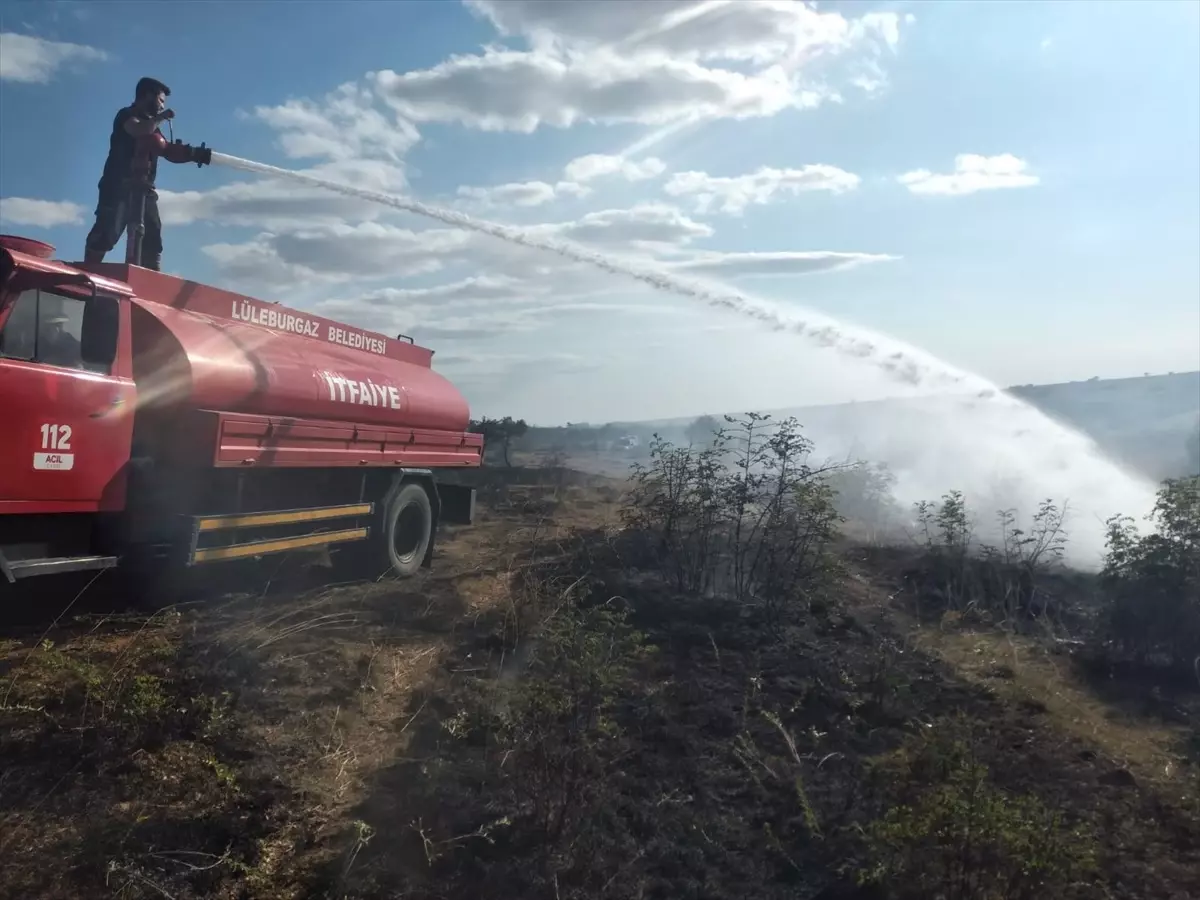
column 730, row 675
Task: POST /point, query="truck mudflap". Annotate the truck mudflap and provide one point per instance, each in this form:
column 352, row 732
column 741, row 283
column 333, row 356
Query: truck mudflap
column 457, row 504
column 217, row 538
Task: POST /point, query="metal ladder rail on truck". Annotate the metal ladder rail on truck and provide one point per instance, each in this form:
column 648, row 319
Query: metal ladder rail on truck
column 179, row 423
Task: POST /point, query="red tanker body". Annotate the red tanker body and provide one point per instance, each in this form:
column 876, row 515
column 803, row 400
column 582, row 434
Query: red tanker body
column 146, row 416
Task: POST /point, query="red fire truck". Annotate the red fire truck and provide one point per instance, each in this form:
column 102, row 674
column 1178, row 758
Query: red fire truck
column 148, row 418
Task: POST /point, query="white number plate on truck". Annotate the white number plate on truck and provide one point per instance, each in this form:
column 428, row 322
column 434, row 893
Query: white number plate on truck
column 54, row 462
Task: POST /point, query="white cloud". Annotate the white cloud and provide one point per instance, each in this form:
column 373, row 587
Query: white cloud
column 256, row 265
column 343, row 125
column 40, row 213
column 645, row 226
column 354, row 141
column 972, row 173
column 800, row 262
column 475, row 290
column 869, row 84
column 33, row 60
column 372, row 249
column 668, row 63
column 587, row 168
column 337, row 253
column 283, row 205
column 523, row 193
column 733, row 194
column 428, row 322
column 476, row 370
column 509, row 90
column 732, row 30
column 656, row 72
column 484, row 308
column 631, row 61
column 490, row 291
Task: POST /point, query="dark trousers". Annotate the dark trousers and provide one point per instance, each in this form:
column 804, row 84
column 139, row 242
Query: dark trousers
column 112, row 218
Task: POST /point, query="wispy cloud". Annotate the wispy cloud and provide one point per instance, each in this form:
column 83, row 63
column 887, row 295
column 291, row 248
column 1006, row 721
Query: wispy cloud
column 732, row 194
column 33, row 60
column 39, row 213
column 972, row 173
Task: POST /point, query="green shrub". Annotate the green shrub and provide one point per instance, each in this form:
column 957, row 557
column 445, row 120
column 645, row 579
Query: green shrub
column 962, row 838
column 1152, row 581
column 746, row 516
column 1002, row 581
column 557, row 717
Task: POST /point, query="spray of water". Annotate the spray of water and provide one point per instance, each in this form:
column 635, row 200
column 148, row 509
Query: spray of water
column 980, row 433
column 905, row 364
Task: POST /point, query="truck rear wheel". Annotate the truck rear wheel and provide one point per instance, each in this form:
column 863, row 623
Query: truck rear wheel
column 399, row 540
column 408, row 526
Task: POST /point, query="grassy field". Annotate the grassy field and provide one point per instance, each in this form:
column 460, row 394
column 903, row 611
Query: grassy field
column 543, row 716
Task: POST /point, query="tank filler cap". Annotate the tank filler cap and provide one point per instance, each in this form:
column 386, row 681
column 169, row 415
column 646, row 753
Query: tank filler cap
column 28, row 246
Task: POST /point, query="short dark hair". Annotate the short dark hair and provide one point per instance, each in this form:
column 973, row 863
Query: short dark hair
column 151, row 86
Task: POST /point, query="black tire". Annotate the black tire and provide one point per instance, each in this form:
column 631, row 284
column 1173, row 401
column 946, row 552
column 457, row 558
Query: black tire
column 400, row 536
column 407, row 528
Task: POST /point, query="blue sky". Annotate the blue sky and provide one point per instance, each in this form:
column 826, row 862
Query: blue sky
column 1070, row 249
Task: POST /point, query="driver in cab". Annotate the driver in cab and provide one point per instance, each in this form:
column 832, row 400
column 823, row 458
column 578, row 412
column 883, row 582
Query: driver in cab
column 56, row 345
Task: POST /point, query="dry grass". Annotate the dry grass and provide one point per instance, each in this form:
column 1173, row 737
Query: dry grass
column 1041, row 672
column 295, row 693
column 1025, row 671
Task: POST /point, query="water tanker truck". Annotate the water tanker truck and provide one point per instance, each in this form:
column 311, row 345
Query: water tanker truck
column 148, row 418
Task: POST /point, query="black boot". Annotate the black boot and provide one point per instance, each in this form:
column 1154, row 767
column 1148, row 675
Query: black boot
column 92, row 257
column 153, row 261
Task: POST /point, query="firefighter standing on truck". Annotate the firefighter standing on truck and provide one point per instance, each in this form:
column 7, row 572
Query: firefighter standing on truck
column 143, row 117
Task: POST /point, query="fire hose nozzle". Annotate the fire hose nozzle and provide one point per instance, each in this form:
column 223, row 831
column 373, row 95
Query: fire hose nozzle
column 179, row 152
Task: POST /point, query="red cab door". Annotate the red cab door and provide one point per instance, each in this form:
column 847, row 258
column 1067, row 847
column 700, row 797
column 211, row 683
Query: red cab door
column 66, row 406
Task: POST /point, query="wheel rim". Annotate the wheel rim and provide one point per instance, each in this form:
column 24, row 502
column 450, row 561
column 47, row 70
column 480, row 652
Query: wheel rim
column 409, row 533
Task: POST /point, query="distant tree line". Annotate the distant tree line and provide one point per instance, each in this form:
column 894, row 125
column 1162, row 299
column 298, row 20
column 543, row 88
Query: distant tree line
column 499, row 432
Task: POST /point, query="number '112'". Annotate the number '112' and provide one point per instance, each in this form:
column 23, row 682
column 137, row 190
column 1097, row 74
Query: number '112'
column 56, row 437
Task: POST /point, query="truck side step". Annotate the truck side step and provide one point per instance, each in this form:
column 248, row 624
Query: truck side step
column 15, row 569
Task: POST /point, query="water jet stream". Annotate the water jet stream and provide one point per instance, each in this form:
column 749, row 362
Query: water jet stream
column 905, row 364
column 1024, row 440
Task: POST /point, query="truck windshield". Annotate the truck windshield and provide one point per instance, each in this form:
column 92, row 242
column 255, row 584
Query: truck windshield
column 46, row 326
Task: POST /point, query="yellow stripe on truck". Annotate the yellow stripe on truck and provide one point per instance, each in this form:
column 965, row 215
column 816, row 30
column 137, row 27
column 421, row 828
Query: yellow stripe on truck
column 261, row 548
column 286, row 517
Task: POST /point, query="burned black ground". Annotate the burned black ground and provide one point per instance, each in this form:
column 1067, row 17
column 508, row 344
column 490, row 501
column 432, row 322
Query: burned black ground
column 538, row 718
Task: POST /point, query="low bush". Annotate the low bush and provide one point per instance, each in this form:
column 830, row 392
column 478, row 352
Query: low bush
column 957, row 836
column 1152, row 582
column 747, row 516
column 1005, row 582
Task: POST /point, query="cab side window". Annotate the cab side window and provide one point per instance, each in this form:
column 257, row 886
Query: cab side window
column 45, row 327
column 18, row 338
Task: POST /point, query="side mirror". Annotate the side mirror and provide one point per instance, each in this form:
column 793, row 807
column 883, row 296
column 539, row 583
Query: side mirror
column 98, row 335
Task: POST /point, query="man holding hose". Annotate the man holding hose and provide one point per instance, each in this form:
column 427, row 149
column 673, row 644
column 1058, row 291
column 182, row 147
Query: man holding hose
column 141, row 118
